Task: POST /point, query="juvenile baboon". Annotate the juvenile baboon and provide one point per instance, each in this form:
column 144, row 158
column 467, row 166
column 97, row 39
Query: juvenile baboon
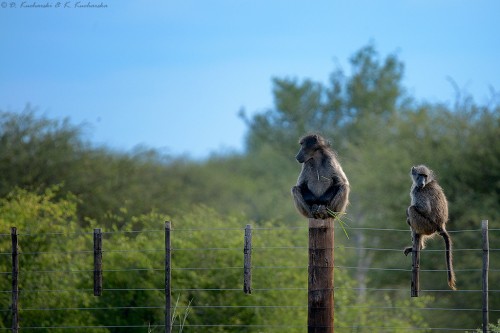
column 322, row 188
column 428, row 213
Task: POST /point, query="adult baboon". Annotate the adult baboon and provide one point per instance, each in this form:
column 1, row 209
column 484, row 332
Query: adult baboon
column 322, row 188
column 428, row 213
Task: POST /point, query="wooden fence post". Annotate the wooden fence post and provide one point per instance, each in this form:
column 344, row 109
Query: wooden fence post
column 486, row 266
column 415, row 266
column 15, row 281
column 168, row 286
column 97, row 262
column 320, row 281
column 247, row 261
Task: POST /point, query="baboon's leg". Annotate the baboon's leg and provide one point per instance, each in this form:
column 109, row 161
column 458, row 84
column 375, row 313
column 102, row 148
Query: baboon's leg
column 300, row 203
column 420, row 222
column 340, row 200
column 414, row 236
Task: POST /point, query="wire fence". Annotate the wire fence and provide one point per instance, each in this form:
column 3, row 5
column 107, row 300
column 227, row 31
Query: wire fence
column 220, row 304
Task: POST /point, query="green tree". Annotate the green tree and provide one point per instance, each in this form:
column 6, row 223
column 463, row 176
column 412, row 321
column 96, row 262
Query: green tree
column 379, row 132
column 36, row 152
column 52, row 265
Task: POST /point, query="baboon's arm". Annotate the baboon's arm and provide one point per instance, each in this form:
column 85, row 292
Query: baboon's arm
column 307, row 195
column 423, row 207
column 339, row 202
column 328, row 196
column 420, row 221
column 300, row 203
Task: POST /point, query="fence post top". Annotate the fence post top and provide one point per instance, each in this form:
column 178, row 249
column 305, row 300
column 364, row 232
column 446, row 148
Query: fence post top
column 317, row 223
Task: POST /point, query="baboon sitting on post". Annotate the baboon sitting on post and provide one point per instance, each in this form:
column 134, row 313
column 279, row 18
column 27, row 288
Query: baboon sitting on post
column 428, row 213
column 322, row 188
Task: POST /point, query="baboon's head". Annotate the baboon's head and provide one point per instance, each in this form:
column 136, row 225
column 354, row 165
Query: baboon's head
column 421, row 175
column 310, row 144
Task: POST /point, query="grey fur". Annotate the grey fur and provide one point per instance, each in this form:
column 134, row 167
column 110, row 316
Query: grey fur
column 322, row 187
column 427, row 214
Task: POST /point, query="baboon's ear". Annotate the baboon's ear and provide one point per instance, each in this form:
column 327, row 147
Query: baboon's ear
column 413, row 170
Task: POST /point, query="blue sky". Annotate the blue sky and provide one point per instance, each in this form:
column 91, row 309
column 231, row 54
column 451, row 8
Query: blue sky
column 173, row 75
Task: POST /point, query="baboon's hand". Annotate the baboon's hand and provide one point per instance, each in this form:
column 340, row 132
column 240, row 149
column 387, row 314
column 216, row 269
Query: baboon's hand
column 408, row 250
column 319, row 211
column 315, row 210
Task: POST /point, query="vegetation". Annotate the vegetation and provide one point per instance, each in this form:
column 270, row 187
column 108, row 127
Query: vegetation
column 55, row 187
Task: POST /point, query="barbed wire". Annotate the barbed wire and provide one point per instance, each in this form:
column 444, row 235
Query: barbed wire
column 254, row 228
column 269, row 307
column 284, row 327
column 257, row 248
column 377, row 307
column 24, row 291
column 153, row 269
column 86, row 290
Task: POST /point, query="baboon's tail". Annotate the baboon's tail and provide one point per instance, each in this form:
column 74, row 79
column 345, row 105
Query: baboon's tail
column 449, row 259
